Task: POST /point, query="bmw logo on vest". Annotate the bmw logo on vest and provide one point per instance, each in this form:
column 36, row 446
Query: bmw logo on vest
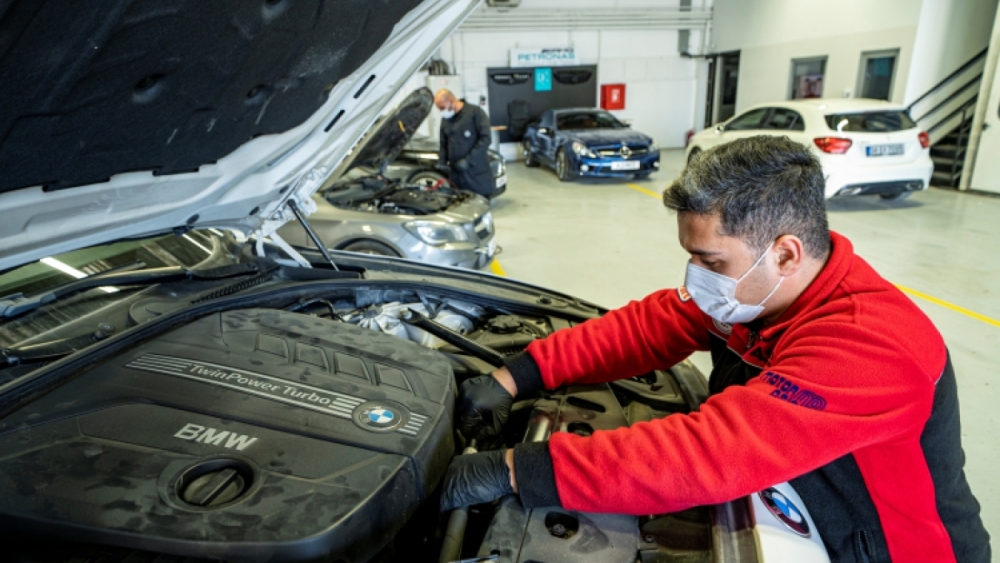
column 379, row 416
column 785, row 510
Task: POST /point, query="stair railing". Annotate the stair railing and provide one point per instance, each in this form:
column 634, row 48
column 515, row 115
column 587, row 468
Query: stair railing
column 958, row 158
column 940, row 107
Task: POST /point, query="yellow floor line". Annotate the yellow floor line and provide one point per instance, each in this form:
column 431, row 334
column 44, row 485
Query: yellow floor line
column 496, row 268
column 948, row 305
column 913, row 292
column 643, row 190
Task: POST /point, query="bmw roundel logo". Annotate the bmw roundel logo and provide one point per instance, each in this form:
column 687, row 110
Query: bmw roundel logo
column 379, row 416
column 785, row 510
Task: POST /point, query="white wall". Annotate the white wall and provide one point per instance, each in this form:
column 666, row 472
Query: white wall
column 578, row 4
column 934, row 38
column 661, row 86
column 950, row 32
column 742, row 24
column 982, row 168
column 665, row 92
column 661, row 91
column 770, row 33
column 765, row 72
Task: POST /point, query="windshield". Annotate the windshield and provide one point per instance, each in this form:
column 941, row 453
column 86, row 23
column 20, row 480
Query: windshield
column 185, row 250
column 870, row 122
column 352, row 174
column 588, row 120
column 419, row 141
column 194, row 250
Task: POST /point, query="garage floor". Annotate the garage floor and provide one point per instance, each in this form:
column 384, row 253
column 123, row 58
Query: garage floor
column 612, row 241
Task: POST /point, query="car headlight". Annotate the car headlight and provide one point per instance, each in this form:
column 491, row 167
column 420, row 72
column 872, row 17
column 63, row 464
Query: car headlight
column 436, row 233
column 485, row 222
column 653, row 147
column 582, row 150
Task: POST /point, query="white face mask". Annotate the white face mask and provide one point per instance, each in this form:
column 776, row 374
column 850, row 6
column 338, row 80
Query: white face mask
column 715, row 294
column 448, row 113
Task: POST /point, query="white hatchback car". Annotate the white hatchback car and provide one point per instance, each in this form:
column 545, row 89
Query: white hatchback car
column 866, row 147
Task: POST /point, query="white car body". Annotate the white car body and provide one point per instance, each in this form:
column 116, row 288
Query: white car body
column 856, row 171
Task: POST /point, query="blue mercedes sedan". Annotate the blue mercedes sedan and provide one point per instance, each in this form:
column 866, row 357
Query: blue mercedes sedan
column 588, row 142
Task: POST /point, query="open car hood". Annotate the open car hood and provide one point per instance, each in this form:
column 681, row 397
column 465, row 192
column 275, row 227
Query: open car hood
column 394, row 131
column 423, row 144
column 144, row 117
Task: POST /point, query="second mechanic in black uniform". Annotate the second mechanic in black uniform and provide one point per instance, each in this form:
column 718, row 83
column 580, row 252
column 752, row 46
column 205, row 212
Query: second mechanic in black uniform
column 465, row 142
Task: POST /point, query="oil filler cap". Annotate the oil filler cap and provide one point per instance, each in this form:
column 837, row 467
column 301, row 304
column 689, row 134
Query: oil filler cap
column 214, row 483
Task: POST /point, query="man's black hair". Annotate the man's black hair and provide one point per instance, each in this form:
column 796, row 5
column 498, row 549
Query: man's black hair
column 762, row 187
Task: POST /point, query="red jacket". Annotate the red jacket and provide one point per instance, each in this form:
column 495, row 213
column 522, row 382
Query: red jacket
column 840, row 388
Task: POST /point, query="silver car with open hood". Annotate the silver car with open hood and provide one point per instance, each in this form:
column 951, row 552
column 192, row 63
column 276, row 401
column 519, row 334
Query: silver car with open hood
column 374, row 208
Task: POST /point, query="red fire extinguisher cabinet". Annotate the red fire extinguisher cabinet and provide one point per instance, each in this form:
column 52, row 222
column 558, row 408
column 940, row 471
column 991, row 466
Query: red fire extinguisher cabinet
column 612, row 96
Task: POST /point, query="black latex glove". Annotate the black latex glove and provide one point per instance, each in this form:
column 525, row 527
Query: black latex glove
column 462, row 164
column 475, row 479
column 483, row 407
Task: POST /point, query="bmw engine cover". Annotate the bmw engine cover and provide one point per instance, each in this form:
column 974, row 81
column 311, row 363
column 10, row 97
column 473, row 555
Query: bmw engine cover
column 251, row 435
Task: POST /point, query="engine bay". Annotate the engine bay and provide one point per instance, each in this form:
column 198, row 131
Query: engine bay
column 317, row 431
column 377, row 194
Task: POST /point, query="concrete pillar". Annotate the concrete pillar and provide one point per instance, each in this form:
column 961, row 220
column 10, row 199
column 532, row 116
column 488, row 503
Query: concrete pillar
column 983, row 105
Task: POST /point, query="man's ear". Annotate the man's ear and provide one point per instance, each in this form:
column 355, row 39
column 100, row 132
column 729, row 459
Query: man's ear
column 791, row 254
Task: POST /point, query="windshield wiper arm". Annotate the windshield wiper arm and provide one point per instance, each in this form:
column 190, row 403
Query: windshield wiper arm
column 50, row 351
column 18, row 304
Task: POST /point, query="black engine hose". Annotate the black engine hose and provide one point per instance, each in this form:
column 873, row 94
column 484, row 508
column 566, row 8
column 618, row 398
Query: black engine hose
column 484, row 353
column 458, row 520
column 303, row 304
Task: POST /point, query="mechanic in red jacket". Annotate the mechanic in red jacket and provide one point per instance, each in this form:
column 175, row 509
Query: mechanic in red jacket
column 824, row 374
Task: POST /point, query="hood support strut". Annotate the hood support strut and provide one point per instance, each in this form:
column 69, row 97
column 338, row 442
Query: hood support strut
column 312, row 234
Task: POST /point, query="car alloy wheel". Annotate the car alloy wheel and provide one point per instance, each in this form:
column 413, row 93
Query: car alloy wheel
column 428, row 179
column 529, row 161
column 562, row 166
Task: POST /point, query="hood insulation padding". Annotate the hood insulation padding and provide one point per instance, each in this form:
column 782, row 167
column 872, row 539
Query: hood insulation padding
column 395, row 130
column 94, row 89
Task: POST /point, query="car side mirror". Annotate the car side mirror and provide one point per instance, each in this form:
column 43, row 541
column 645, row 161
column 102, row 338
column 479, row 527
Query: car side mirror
column 720, row 128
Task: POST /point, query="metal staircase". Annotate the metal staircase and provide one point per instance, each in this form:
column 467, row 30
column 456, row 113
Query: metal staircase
column 949, row 154
column 945, row 112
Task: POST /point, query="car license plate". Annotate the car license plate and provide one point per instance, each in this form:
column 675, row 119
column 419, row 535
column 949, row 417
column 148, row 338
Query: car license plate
column 501, row 181
column 884, row 150
column 625, row 165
